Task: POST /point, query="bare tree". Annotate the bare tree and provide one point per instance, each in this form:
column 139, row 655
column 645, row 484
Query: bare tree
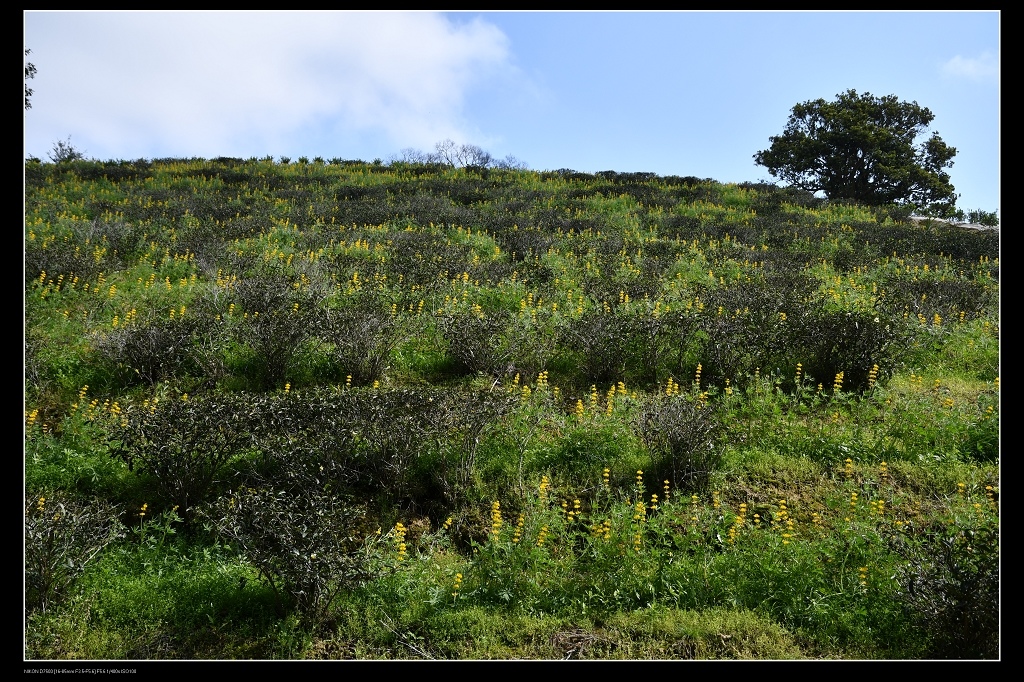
column 446, row 151
column 461, row 155
column 450, row 153
column 510, row 163
column 411, row 155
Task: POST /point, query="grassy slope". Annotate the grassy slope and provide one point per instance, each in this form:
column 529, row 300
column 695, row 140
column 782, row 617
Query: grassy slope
column 578, row 298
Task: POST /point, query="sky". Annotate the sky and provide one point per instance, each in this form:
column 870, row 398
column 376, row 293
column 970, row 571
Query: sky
column 673, row 93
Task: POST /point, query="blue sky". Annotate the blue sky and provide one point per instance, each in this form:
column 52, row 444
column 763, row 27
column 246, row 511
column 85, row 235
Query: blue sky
column 681, row 93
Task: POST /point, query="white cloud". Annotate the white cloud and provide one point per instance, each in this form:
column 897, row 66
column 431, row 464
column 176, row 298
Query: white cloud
column 207, row 82
column 984, row 67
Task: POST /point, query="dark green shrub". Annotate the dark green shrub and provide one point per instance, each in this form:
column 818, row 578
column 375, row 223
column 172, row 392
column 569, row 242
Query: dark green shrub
column 308, row 546
column 951, row 587
column 982, row 217
column 947, row 297
column 370, row 441
column 412, row 447
column 184, row 443
column 395, row 432
column 524, row 243
column 306, row 438
column 473, row 415
column 833, row 341
column 117, row 239
column 277, row 318
column 417, row 257
column 360, row 338
column 606, row 347
column 591, row 347
column 63, row 535
column 65, row 152
column 899, row 213
column 682, row 436
column 681, row 227
column 151, row 351
column 63, row 256
column 475, row 341
column 751, row 325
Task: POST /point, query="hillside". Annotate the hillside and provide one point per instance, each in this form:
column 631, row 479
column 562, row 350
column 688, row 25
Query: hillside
column 405, row 410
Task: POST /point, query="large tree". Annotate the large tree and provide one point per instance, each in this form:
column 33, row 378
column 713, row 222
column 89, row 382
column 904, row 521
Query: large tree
column 862, row 148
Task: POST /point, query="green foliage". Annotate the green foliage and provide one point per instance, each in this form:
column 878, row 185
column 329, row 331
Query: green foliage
column 59, row 463
column 586, row 447
column 158, row 598
column 276, row 320
column 851, row 343
column 981, row 217
column 152, row 351
column 862, row 148
column 475, row 342
column 64, row 152
column 607, row 347
column 951, row 585
column 30, row 72
column 361, row 337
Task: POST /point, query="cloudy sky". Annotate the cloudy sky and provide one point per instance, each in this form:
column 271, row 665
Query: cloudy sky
column 683, row 93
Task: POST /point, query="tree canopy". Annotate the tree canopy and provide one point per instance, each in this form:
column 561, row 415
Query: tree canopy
column 862, row 148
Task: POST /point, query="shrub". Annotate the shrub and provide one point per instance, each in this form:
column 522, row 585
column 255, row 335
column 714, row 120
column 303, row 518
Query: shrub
column 361, row 336
column 415, row 447
column 63, row 152
column 947, row 297
column 475, row 341
column 982, row 217
column 416, row 257
column 307, row 546
column 473, row 415
column 951, row 586
column 184, row 443
column 64, row 256
column 308, row 439
column 148, row 352
column 756, row 324
column 277, row 319
column 682, row 436
column 624, row 345
column 850, row 342
column 399, row 436
column 63, row 535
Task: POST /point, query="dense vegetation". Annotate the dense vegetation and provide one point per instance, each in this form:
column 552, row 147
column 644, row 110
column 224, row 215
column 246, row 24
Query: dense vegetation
column 351, row 410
